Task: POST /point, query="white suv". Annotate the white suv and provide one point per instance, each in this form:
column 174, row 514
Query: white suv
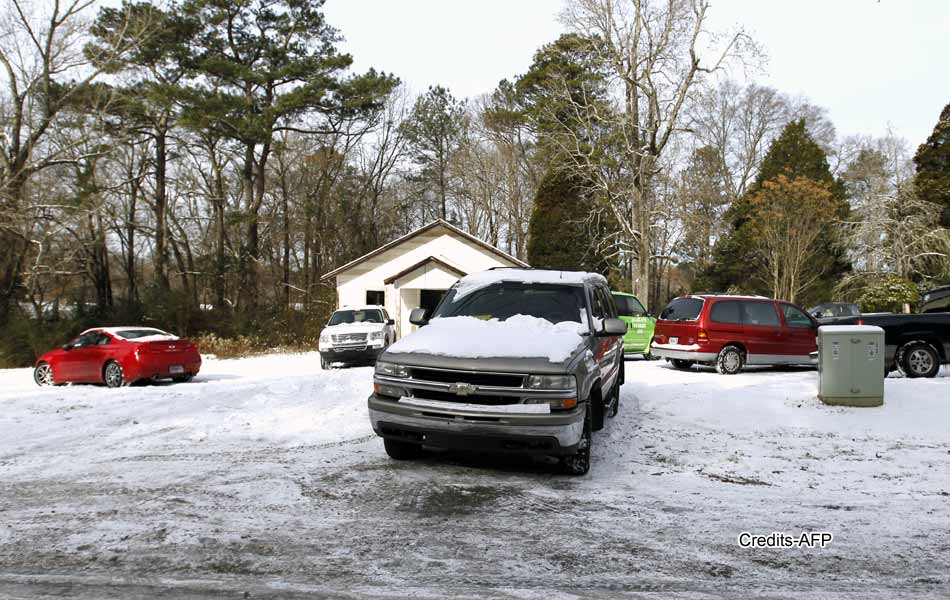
column 356, row 334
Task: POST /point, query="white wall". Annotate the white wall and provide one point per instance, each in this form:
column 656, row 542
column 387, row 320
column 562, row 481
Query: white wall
column 439, row 242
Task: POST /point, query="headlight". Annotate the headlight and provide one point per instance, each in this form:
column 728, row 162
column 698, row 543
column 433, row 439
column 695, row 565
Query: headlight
column 376, row 335
column 391, row 369
column 552, row 382
column 325, row 338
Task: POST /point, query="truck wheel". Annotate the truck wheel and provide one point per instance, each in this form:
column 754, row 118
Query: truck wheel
column 402, row 450
column 679, row 363
column 579, row 463
column 324, row 364
column 919, row 359
column 729, row 361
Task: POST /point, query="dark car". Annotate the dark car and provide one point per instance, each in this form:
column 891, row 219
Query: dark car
column 513, row 361
column 916, row 344
column 729, row 332
column 936, row 300
column 830, row 311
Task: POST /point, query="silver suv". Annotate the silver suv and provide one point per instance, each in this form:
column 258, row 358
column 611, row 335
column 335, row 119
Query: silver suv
column 511, row 361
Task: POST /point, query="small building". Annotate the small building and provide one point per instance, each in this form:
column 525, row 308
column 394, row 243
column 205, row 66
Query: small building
column 416, row 270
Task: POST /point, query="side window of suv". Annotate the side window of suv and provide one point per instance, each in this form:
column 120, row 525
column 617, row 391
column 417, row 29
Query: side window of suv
column 761, row 314
column 726, row 311
column 796, row 318
column 610, row 309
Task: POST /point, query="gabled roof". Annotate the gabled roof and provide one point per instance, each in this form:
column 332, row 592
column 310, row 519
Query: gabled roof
column 421, row 230
column 425, row 261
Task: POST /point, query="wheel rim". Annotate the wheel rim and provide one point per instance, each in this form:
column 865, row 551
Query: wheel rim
column 920, row 361
column 44, row 375
column 730, row 361
column 113, row 375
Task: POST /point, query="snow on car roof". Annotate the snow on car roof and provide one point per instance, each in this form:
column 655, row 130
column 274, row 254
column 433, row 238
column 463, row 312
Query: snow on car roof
column 475, row 281
column 360, row 307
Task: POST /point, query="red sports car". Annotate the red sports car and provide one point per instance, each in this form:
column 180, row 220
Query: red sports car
column 118, row 356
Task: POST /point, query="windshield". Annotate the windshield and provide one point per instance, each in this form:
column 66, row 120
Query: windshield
column 132, row 334
column 356, row 316
column 555, row 303
column 628, row 306
column 682, row 309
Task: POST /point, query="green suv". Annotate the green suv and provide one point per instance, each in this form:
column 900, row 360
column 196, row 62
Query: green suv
column 639, row 324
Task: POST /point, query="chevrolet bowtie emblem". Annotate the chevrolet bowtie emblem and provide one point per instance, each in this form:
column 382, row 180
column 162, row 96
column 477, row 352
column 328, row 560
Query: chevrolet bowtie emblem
column 462, row 389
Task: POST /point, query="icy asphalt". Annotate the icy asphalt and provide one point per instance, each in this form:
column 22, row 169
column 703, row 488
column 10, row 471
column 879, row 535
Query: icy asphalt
column 262, row 479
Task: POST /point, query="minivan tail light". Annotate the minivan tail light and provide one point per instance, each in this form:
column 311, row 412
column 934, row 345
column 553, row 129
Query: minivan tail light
column 702, row 335
column 860, row 321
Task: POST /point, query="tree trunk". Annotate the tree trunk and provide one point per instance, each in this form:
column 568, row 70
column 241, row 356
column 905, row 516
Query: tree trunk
column 161, row 200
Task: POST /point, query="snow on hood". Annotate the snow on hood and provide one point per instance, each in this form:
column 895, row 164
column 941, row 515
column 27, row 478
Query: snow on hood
column 475, row 281
column 520, row 336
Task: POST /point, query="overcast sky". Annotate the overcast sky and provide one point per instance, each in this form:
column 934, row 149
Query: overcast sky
column 869, row 63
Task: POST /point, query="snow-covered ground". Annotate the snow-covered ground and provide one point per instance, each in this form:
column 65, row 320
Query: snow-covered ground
column 263, row 476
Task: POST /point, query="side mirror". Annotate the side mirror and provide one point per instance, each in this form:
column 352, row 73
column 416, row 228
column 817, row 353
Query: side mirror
column 391, row 321
column 418, row 317
column 67, row 346
column 613, row 327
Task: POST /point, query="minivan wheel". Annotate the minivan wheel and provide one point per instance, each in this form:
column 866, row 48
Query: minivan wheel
column 579, row 462
column 402, row 450
column 919, row 360
column 729, row 361
column 679, row 363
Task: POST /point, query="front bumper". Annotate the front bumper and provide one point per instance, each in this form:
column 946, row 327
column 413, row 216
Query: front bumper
column 681, row 352
column 361, row 354
column 554, row 433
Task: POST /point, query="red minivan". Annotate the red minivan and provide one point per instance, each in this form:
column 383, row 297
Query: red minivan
column 729, row 332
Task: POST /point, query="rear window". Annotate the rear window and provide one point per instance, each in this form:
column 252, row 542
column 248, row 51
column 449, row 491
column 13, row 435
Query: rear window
column 762, row 314
column 682, row 309
column 628, row 306
column 133, row 334
column 726, row 311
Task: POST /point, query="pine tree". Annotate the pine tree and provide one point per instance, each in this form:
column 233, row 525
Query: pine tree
column 558, row 233
column 933, row 167
column 794, row 154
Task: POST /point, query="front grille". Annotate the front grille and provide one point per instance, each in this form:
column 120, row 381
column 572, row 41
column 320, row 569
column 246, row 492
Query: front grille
column 349, row 338
column 474, row 378
column 471, row 399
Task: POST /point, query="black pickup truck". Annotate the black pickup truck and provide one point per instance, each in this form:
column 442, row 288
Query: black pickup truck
column 916, row 344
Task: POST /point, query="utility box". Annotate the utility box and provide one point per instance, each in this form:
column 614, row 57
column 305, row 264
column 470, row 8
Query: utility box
column 851, row 365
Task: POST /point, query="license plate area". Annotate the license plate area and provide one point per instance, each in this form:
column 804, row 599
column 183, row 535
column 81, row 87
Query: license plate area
column 674, row 340
column 176, row 369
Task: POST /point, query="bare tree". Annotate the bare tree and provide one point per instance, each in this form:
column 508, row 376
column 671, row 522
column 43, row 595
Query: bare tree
column 657, row 52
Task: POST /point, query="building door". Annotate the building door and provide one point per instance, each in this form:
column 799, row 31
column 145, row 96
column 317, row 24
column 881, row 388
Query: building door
column 429, row 299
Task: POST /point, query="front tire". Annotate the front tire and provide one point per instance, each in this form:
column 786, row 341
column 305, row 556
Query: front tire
column 579, row 462
column 113, row 376
column 43, row 374
column 919, row 359
column 729, row 361
column 324, row 364
column 682, row 365
column 402, row 450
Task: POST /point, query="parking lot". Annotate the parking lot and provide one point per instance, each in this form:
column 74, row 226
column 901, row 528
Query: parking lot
column 263, row 477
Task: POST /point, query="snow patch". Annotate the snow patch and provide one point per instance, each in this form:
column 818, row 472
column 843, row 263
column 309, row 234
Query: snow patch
column 520, row 336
